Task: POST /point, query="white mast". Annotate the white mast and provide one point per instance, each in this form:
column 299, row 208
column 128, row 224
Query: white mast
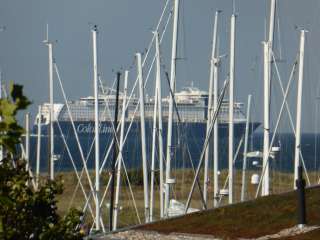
column 231, row 105
column 211, row 86
column 154, row 129
column 38, row 147
column 157, row 113
column 143, row 137
column 172, row 87
column 160, row 136
column 215, row 129
column 94, row 32
column 27, row 141
column 267, row 84
column 50, row 56
column 272, row 24
column 266, row 124
column 245, row 151
column 299, row 101
column 120, row 156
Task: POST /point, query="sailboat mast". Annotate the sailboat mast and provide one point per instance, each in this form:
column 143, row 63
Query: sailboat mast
column 96, row 126
column 266, row 124
column 27, row 140
column 299, row 102
column 245, row 151
column 115, row 154
column 159, row 108
column 143, row 137
column 231, row 105
column 154, row 129
column 51, row 130
column 38, row 146
column 210, row 98
column 172, row 87
column 267, row 85
column 120, row 156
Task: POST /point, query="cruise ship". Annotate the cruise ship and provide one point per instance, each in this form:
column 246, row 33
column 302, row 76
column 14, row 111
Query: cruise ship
column 189, row 129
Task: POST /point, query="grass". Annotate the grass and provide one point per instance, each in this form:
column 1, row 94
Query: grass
column 73, row 197
column 264, row 216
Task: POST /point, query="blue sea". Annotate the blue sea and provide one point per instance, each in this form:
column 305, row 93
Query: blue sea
column 185, row 152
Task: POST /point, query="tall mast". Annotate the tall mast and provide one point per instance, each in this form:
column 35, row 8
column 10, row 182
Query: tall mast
column 231, row 105
column 299, row 101
column 244, row 166
column 115, row 153
column 172, row 87
column 267, row 85
column 272, row 23
column 160, row 133
column 266, row 123
column 38, row 147
column 27, row 141
column 153, row 153
column 157, row 114
column 51, row 115
column 94, row 32
column 143, row 138
column 212, row 82
column 215, row 128
column 120, row 156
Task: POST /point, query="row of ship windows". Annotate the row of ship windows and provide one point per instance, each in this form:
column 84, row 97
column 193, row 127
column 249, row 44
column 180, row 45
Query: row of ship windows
column 188, row 112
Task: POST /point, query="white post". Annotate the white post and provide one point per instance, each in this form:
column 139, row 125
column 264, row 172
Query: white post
column 50, row 59
column 231, row 105
column 211, row 85
column 216, row 130
column 154, row 129
column 268, row 46
column 120, row 156
column 38, row 147
column 245, row 151
column 299, row 101
column 266, row 123
column 94, row 32
column 160, row 136
column 27, row 141
column 143, row 138
column 271, row 23
column 173, row 87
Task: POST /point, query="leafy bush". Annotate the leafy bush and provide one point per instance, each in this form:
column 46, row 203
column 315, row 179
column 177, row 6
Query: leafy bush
column 26, row 213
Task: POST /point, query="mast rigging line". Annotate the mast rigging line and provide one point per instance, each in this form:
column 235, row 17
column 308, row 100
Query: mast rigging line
column 68, row 108
column 137, row 106
column 277, row 125
column 92, row 143
column 147, row 78
column 74, row 129
column 184, row 133
column 74, row 167
column 214, row 118
column 290, row 116
column 149, row 72
column 76, row 135
column 144, row 60
column 80, row 149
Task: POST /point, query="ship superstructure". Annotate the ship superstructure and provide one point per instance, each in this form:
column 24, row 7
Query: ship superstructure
column 191, row 106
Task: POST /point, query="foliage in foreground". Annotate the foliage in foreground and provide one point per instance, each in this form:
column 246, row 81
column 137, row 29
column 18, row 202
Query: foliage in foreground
column 26, row 213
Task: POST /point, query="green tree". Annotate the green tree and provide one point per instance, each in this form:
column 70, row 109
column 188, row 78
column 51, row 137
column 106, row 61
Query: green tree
column 26, row 213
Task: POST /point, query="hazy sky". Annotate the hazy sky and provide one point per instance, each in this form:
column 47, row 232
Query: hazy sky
column 125, row 28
